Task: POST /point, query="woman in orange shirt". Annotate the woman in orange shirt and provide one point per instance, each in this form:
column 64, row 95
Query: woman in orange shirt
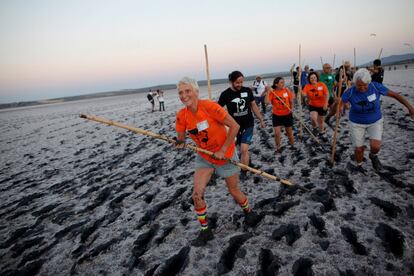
column 281, row 99
column 205, row 122
column 317, row 94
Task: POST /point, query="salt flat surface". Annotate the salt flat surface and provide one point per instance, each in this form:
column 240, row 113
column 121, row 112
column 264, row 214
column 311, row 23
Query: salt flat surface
column 78, row 197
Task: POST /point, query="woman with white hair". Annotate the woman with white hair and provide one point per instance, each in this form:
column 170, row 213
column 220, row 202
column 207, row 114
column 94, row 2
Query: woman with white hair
column 365, row 115
column 205, row 122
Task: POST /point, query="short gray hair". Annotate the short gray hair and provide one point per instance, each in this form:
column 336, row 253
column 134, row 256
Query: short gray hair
column 189, row 81
column 362, row 75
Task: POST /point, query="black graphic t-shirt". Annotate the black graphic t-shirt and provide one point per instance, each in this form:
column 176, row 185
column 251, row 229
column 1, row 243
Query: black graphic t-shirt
column 379, row 76
column 238, row 105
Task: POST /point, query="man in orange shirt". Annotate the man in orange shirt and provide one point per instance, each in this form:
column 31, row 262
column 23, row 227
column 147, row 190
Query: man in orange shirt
column 317, row 95
column 281, row 99
column 205, row 122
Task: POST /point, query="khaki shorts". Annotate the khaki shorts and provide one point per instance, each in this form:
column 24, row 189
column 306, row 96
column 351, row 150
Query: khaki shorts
column 374, row 131
column 224, row 171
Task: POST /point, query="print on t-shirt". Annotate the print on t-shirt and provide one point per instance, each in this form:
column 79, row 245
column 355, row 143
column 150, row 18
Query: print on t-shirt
column 241, row 107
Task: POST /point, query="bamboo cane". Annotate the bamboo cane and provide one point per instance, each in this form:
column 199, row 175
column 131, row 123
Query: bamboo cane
column 355, row 58
column 380, row 53
column 189, row 146
column 208, row 72
column 300, row 134
column 294, row 115
column 337, row 115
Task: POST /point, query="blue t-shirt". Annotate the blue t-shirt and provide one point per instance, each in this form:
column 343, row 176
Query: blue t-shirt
column 304, row 78
column 365, row 106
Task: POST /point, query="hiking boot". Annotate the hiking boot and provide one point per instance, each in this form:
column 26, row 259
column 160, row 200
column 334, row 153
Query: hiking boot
column 376, row 164
column 203, row 237
column 252, row 218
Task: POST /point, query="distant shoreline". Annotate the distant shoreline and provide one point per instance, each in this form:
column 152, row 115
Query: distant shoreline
column 155, row 87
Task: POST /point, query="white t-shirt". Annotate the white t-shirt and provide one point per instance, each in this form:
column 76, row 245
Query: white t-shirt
column 260, row 88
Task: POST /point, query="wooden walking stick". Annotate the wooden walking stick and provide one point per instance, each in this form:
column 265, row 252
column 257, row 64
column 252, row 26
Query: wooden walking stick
column 380, row 53
column 300, row 134
column 208, row 72
column 355, row 58
column 339, row 94
column 294, row 115
column 189, row 146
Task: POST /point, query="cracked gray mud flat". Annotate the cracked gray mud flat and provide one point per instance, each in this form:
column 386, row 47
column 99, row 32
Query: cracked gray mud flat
column 81, row 198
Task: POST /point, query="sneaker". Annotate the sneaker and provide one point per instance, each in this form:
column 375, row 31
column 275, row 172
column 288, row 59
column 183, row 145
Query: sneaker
column 203, row 237
column 376, row 164
column 252, row 218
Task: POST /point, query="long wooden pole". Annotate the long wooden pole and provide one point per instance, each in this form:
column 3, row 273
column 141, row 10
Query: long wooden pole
column 321, row 63
column 355, row 58
column 208, row 72
column 380, row 53
column 338, row 95
column 189, row 146
column 333, row 62
column 300, row 134
column 297, row 117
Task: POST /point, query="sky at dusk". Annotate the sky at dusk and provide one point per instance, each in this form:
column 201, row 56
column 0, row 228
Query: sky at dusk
column 52, row 48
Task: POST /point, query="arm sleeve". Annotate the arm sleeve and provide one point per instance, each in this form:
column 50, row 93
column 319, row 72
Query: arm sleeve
column 381, row 88
column 345, row 97
column 215, row 111
column 222, row 100
column 251, row 97
column 180, row 122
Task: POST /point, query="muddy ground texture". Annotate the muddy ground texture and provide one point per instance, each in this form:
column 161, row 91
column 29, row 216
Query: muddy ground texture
column 80, row 198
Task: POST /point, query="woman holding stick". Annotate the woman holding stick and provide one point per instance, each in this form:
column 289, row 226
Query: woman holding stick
column 281, row 99
column 206, row 122
column 365, row 116
column 317, row 95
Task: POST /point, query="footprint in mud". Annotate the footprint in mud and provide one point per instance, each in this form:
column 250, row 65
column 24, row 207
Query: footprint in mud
column 325, row 198
column 303, row 267
column 392, row 239
column 319, row 224
column 290, row 231
column 175, row 264
column 390, row 209
column 229, row 255
column 269, row 265
column 352, row 238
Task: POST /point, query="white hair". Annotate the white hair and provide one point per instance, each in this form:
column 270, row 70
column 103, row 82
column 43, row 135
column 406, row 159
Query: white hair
column 189, row 81
column 362, row 75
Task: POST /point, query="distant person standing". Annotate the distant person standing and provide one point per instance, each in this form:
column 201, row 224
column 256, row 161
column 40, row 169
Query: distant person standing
column 304, row 76
column 160, row 98
column 150, row 97
column 295, row 76
column 241, row 105
column 377, row 72
column 259, row 88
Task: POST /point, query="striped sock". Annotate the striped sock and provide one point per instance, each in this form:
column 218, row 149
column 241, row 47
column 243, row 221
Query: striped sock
column 245, row 206
column 202, row 217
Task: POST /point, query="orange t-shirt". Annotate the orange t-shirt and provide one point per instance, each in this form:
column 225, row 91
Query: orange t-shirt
column 278, row 108
column 317, row 94
column 206, row 128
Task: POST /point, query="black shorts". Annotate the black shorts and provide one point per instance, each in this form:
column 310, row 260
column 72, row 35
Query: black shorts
column 331, row 101
column 286, row 120
column 320, row 110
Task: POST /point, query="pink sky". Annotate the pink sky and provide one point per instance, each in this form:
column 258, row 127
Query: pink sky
column 52, row 48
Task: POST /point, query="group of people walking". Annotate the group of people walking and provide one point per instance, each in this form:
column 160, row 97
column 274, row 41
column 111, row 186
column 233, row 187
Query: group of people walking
column 226, row 126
